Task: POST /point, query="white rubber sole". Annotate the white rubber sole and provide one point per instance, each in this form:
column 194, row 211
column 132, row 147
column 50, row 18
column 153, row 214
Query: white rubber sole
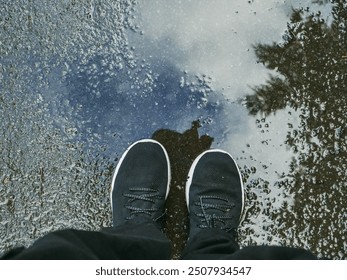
column 191, row 173
column 123, row 157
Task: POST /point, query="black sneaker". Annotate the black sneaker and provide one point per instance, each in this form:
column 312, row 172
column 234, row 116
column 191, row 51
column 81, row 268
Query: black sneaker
column 214, row 193
column 140, row 183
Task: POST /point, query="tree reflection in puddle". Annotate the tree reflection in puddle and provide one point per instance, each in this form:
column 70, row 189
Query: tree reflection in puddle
column 312, row 63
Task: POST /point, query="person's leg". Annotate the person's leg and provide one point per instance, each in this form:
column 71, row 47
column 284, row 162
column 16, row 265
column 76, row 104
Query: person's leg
column 215, row 199
column 140, row 186
column 271, row 253
column 132, row 241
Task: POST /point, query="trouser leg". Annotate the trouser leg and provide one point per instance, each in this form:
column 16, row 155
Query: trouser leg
column 271, row 253
column 218, row 244
column 129, row 241
column 210, row 244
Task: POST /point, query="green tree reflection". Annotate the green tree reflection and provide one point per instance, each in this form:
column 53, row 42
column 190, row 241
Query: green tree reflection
column 312, row 63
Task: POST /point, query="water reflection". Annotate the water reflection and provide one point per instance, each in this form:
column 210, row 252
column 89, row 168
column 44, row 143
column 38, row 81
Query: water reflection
column 313, row 69
column 134, row 102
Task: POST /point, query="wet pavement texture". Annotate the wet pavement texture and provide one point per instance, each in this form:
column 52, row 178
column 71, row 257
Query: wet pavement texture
column 81, row 80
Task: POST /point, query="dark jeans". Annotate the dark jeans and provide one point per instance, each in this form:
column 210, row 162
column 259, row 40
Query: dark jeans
column 145, row 241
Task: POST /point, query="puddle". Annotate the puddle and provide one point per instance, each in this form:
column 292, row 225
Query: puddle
column 81, row 80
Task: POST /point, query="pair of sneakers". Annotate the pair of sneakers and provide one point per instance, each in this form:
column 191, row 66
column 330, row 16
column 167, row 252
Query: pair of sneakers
column 141, row 183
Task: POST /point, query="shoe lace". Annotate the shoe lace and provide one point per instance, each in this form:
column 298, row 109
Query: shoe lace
column 214, row 220
column 145, row 194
